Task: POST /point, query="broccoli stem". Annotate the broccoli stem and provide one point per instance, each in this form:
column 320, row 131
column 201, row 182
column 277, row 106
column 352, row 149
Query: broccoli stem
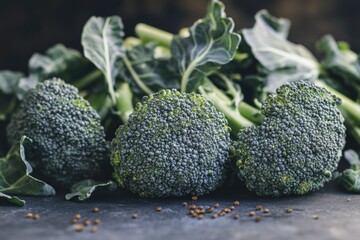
column 223, row 104
column 124, row 99
column 87, row 80
column 148, row 33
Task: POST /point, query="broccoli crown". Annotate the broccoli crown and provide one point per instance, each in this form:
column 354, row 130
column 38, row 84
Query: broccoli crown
column 68, row 140
column 297, row 146
column 174, row 144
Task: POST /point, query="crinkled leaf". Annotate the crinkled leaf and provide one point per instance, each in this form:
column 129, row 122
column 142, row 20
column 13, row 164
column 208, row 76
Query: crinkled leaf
column 61, row 62
column 12, row 199
column 15, row 173
column 83, row 189
column 102, row 40
column 285, row 61
column 341, row 62
column 211, row 44
column 9, row 81
column 144, row 72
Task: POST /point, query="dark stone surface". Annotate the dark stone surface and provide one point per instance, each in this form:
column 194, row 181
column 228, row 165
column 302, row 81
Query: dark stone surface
column 339, row 218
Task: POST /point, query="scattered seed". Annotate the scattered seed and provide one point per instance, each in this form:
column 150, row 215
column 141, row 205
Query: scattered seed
column 266, row 210
column 222, row 214
column 133, row 216
column 258, row 207
column 192, row 207
column 236, row 203
column 77, row 216
column 252, row 213
column 227, row 210
column 194, row 198
column 236, row 216
column 36, row 216
column 232, row 207
column 315, row 217
column 200, row 217
column 86, row 223
column 29, row 215
column 96, row 221
column 158, row 209
column 200, row 207
column 74, row 220
column 184, row 203
column 289, row 210
column 258, row 219
column 214, row 216
column 209, row 210
column 194, row 215
column 96, row 209
column 216, row 205
column 79, row 227
column 93, row 229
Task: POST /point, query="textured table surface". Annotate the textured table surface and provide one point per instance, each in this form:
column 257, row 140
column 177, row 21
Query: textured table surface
column 338, row 212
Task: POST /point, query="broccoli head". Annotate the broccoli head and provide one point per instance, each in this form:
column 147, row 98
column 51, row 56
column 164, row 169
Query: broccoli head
column 174, row 144
column 297, row 146
column 68, row 140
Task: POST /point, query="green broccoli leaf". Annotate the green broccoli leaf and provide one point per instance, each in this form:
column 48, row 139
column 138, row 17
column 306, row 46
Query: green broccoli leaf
column 284, row 61
column 151, row 72
column 15, row 173
column 102, row 40
column 211, row 43
column 12, row 199
column 341, row 63
column 9, row 81
column 83, row 189
column 60, row 62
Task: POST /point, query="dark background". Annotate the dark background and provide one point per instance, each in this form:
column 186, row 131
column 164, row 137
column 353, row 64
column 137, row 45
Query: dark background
column 33, row 26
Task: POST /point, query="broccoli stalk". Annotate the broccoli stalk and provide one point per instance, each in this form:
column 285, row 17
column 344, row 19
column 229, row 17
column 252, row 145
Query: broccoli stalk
column 239, row 116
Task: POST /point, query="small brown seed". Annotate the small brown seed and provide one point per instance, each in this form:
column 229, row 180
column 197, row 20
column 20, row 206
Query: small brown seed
column 200, row 207
column 96, row 209
column 77, row 216
column 209, row 210
column 200, row 217
column 236, row 203
column 258, row 207
column 93, row 229
column 289, row 210
column 194, row 215
column 214, row 216
column 232, row 207
column 227, row 210
column 194, row 198
column 184, row 203
column 36, row 216
column 86, row 223
column 252, row 213
column 222, row 214
column 216, row 205
column 266, row 210
column 133, row 216
column 79, row 227
column 192, row 207
column 315, row 217
column 258, row 219
column 96, row 221
column 158, row 209
column 236, row 216
column 74, row 220
column 29, row 215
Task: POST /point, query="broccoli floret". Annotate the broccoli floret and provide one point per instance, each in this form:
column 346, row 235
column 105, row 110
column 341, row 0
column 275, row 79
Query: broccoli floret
column 68, row 140
column 297, row 146
column 350, row 178
column 174, row 144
